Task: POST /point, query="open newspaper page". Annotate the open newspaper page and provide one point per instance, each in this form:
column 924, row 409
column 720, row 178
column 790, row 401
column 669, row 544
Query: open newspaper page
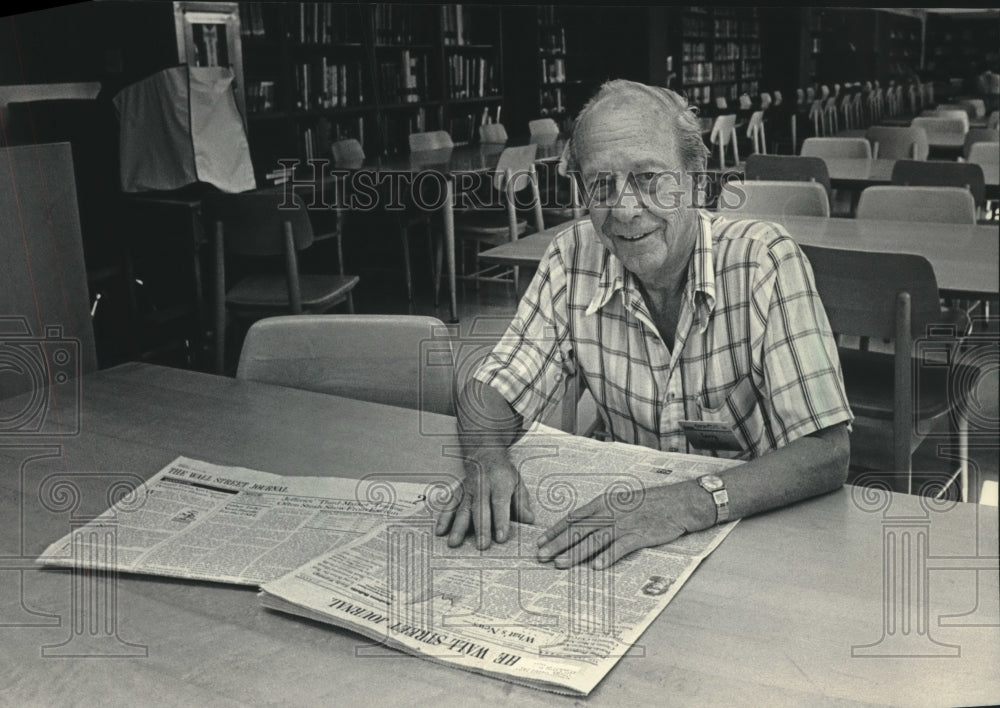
column 501, row 612
column 235, row 525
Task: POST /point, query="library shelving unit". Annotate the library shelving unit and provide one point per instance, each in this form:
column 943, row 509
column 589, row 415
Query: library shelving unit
column 719, row 53
column 320, row 72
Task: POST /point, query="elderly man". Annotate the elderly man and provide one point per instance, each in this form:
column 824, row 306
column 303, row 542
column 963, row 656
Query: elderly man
column 671, row 314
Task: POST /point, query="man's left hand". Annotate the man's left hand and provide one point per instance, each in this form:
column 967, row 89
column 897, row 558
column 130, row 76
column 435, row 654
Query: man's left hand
column 607, row 531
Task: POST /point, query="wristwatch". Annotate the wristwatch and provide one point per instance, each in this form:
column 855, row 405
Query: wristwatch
column 717, row 488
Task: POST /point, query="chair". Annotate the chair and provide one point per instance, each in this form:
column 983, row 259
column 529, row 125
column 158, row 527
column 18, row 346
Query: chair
column 987, row 156
column 895, row 296
column 543, row 128
column 942, row 173
column 398, row 360
column 755, row 131
column 493, row 225
column 897, row 143
column 255, row 225
column 952, row 205
column 432, row 140
column 347, row 153
column 721, row 103
column 978, row 135
column 779, row 198
column 788, row 168
column 994, row 120
column 723, row 134
column 941, row 129
column 818, row 118
column 837, row 148
column 492, row 133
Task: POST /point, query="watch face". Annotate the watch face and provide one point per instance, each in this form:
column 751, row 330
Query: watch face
column 711, row 483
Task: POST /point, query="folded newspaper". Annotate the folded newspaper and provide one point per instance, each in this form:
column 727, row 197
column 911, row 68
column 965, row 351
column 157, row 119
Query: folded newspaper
column 500, row 612
column 362, row 554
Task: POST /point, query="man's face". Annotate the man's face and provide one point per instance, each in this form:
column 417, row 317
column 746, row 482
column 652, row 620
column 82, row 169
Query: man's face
column 640, row 208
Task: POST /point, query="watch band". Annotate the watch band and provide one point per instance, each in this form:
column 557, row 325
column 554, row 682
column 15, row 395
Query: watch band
column 717, row 488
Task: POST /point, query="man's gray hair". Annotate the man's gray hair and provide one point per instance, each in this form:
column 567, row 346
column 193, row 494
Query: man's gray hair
column 678, row 114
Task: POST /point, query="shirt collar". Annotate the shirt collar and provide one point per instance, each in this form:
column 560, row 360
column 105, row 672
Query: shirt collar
column 700, row 283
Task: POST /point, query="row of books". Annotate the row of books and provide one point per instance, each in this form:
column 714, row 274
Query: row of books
column 471, row 77
column 553, row 41
column 694, row 51
column 258, row 19
column 549, row 15
column 553, row 70
column 457, row 24
column 326, row 23
column 315, row 141
column 698, row 71
column 401, row 24
column 403, row 80
column 324, row 84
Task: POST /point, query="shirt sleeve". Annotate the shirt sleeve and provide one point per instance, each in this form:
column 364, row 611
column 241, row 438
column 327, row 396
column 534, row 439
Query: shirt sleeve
column 531, row 363
column 803, row 381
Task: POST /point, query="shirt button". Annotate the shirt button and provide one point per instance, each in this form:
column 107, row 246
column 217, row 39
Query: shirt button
column 558, row 377
column 672, row 449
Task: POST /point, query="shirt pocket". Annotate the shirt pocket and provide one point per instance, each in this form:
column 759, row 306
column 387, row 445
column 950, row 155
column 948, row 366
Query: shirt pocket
column 739, row 411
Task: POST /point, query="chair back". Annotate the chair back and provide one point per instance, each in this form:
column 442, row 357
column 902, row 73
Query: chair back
column 788, row 168
column 983, row 153
column 724, row 132
column 936, row 126
column 765, row 100
column 755, row 131
column 898, row 143
column 398, row 360
column 959, row 114
column 941, row 173
column 975, row 106
column 778, row 198
column 994, row 120
column 347, row 152
column 492, row 133
column 253, row 223
column 431, row 140
column 979, row 135
column 859, row 290
column 837, row 148
column 542, row 127
column 951, row 205
column 745, row 102
column 519, row 162
column 721, row 103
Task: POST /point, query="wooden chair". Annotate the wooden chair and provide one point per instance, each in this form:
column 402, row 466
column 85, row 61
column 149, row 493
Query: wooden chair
column 251, row 227
column 723, row 134
column 994, row 120
column 347, row 153
column 942, row 173
column 818, row 118
column 956, row 113
column 398, row 360
column 894, row 296
column 432, row 140
column 897, row 143
column 492, row 133
column 788, row 168
column 950, row 205
column 515, row 171
column 778, row 198
column 938, row 128
column 837, row 148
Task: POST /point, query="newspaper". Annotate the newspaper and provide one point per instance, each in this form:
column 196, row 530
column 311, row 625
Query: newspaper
column 234, row 525
column 501, row 612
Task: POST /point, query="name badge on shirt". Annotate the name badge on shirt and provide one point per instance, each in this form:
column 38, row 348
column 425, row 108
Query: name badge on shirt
column 709, row 435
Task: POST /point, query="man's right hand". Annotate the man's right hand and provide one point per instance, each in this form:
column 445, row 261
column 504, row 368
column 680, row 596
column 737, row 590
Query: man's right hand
column 491, row 494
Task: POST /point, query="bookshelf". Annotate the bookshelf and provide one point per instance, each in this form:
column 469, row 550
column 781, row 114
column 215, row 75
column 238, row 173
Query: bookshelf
column 720, row 53
column 320, row 72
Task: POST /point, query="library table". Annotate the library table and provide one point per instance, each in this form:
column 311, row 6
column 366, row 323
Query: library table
column 858, row 597
column 964, row 257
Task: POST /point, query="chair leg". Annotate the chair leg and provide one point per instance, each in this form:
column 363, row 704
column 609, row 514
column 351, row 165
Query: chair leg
column 404, row 237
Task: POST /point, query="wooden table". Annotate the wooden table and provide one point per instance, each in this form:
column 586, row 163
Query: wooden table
column 964, row 258
column 790, row 609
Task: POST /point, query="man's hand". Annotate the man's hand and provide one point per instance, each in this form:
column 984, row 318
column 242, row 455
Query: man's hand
column 606, row 531
column 491, row 494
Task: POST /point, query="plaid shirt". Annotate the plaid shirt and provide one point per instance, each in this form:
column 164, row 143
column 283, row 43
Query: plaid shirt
column 753, row 347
